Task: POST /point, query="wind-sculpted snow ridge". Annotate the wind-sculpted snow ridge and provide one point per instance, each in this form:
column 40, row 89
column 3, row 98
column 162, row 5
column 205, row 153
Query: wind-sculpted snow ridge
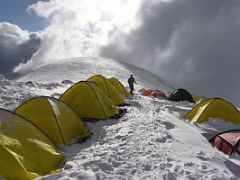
column 77, row 69
column 150, row 142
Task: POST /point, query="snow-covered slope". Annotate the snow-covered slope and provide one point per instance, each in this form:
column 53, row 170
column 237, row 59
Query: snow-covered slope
column 13, row 93
column 77, row 69
column 151, row 141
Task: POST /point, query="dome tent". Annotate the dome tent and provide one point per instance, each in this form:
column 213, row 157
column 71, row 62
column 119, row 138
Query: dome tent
column 181, row 95
column 214, row 108
column 56, row 119
column 118, row 85
column 89, row 101
column 108, row 89
column 25, row 151
column 228, row 142
column 199, row 99
column 154, row 93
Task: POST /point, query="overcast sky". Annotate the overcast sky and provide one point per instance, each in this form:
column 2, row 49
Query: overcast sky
column 192, row 44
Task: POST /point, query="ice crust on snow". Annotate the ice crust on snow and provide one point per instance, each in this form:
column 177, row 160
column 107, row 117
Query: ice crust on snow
column 151, row 141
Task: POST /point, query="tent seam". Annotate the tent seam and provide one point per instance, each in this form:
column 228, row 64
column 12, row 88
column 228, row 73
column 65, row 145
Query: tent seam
column 105, row 82
column 15, row 113
column 60, row 130
column 97, row 98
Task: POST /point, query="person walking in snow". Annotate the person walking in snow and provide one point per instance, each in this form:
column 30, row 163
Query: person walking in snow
column 131, row 82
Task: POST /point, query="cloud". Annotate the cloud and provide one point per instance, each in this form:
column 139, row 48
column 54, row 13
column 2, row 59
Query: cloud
column 190, row 43
column 78, row 27
column 16, row 45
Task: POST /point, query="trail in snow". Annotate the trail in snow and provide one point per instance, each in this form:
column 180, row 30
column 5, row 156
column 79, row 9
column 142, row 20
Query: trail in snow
column 149, row 142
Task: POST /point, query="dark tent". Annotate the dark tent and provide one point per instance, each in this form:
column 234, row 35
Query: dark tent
column 181, row 95
column 227, row 142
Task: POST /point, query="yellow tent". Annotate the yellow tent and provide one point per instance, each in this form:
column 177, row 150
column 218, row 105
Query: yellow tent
column 199, row 99
column 25, row 151
column 88, row 101
column 56, row 119
column 118, row 85
column 108, row 89
column 214, row 108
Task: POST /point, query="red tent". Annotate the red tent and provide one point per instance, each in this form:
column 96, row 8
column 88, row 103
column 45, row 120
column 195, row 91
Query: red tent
column 158, row 93
column 147, row 92
column 154, row 93
column 228, row 142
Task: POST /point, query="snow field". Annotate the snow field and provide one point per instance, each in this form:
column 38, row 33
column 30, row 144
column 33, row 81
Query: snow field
column 13, row 94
